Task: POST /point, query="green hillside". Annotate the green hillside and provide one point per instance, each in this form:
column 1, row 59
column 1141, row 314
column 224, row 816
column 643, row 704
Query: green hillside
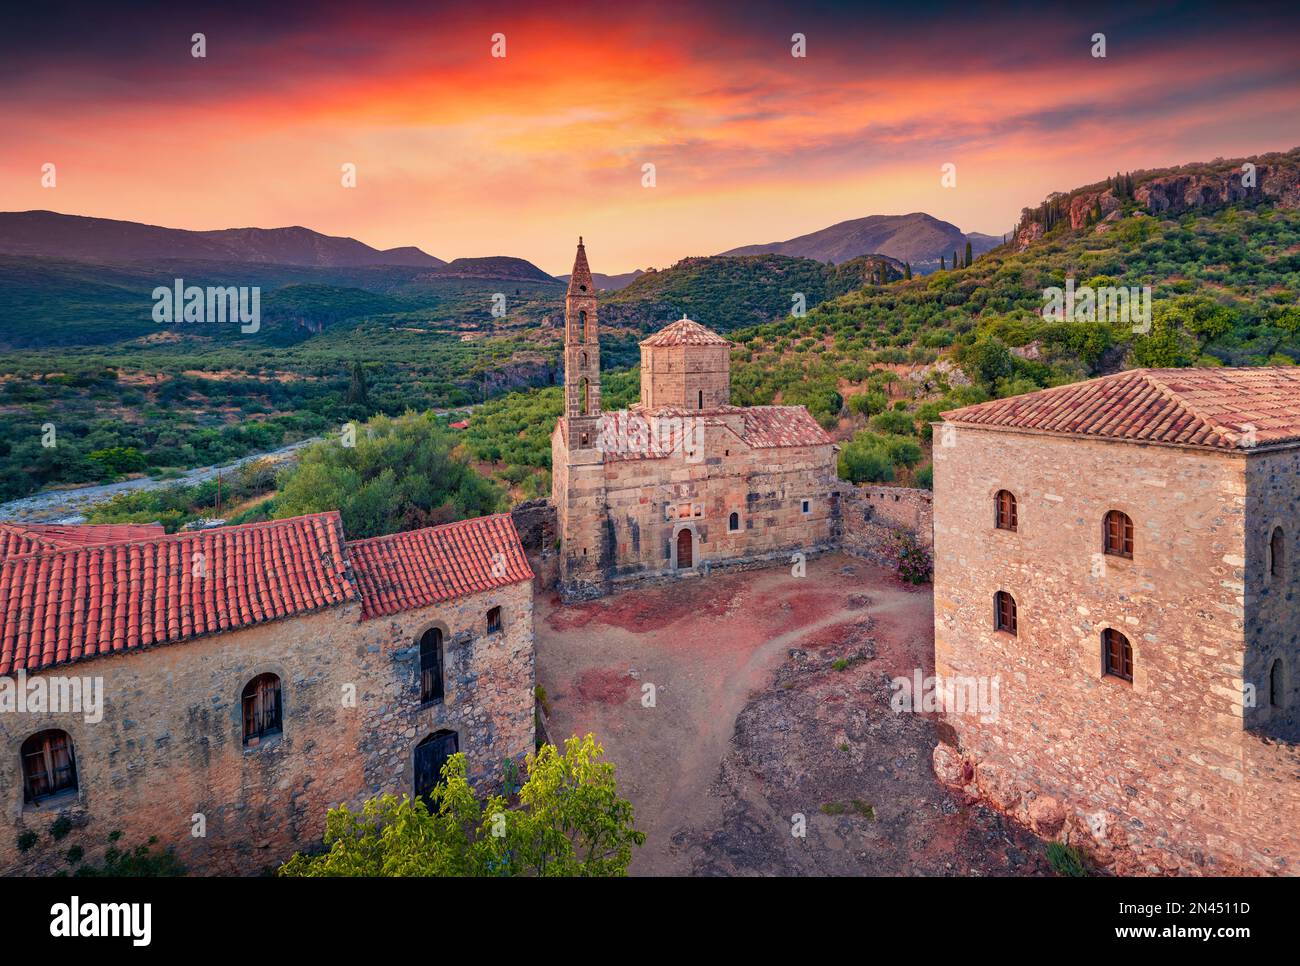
column 731, row 292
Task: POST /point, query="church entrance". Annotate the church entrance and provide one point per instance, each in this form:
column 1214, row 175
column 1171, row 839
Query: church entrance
column 685, row 559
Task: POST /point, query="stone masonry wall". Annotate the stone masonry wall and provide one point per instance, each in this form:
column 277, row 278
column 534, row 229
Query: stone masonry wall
column 650, row 502
column 870, row 516
column 1157, row 775
column 1272, row 632
column 170, row 745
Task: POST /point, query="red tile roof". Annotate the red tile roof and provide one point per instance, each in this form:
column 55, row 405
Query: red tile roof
column 1220, row 408
column 684, row 332
column 26, row 537
column 404, row 571
column 76, row 603
column 621, row 437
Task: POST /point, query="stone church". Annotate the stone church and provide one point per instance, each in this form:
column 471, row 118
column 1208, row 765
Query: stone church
column 681, row 482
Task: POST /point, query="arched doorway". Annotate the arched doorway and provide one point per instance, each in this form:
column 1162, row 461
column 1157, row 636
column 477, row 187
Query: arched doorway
column 685, row 550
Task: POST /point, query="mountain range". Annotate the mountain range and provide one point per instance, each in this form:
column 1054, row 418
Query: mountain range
column 917, row 238
column 54, row 235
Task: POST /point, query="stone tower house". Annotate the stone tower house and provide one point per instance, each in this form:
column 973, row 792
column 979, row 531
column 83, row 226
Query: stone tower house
column 1120, row 555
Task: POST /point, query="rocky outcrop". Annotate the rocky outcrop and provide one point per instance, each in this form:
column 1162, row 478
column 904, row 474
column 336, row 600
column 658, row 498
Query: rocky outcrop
column 524, row 374
column 1279, row 183
column 1028, row 234
column 1084, row 206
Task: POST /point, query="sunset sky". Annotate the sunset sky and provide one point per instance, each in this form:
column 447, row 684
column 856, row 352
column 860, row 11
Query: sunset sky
column 465, row 154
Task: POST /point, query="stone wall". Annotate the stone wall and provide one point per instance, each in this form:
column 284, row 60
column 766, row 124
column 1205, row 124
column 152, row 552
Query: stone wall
column 1272, row 632
column 781, row 499
column 871, row 516
column 685, row 376
column 170, row 745
column 1156, row 775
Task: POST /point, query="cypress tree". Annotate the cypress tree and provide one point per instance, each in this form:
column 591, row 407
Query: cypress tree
column 968, row 255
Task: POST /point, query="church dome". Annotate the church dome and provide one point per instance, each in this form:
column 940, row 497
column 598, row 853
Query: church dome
column 685, row 332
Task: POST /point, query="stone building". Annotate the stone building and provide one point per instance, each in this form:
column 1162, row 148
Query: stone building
column 682, row 481
column 1121, row 556
column 251, row 678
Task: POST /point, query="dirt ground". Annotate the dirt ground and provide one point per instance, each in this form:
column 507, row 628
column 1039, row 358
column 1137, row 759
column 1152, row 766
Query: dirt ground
column 734, row 704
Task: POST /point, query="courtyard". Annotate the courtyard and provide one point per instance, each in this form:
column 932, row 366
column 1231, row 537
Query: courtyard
column 744, row 708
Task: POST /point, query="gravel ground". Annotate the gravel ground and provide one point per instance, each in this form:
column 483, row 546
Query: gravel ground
column 770, row 702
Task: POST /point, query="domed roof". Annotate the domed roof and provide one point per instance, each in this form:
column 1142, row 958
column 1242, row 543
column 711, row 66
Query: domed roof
column 685, row 332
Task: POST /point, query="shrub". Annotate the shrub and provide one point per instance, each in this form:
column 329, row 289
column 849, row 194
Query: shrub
column 894, row 422
column 1066, row 860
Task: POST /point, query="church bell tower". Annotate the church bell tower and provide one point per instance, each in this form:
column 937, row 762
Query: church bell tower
column 581, row 357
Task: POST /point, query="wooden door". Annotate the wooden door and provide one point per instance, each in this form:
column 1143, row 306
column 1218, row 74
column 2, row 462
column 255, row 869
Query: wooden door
column 684, row 557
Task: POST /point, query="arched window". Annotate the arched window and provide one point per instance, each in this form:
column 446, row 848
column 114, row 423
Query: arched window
column 1004, row 612
column 430, row 755
column 261, row 708
column 1005, row 510
column 431, row 666
column 582, row 397
column 733, row 523
column 582, row 359
column 49, row 767
column 1117, row 532
column 494, row 620
column 1117, row 654
column 1276, row 696
column 1277, row 553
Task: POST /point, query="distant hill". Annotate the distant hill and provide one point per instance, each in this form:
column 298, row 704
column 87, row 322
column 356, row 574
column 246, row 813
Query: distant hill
column 725, row 292
column 609, row 283
column 53, row 235
column 501, row 267
column 918, row 238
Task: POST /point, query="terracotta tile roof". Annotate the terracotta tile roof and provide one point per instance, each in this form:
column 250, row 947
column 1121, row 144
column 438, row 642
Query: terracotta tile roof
column 782, row 426
column 685, row 332
column 26, row 537
column 1220, row 408
column 77, row 603
column 620, row 437
column 418, row 568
